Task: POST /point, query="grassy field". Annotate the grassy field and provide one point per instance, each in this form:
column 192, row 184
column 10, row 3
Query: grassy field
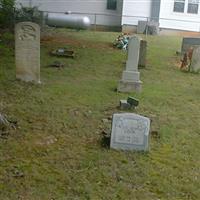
column 56, row 152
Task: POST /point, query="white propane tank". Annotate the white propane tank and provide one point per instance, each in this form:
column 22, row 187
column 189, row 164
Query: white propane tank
column 67, row 20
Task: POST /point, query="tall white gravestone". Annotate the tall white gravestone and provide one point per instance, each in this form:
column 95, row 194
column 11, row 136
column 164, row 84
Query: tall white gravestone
column 131, row 76
column 27, row 51
column 130, row 132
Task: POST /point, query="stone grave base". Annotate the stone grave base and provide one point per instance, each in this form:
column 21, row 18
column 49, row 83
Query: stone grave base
column 129, row 86
column 28, row 78
column 131, row 76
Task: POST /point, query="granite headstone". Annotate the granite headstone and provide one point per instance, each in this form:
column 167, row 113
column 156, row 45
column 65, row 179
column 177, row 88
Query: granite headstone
column 130, row 132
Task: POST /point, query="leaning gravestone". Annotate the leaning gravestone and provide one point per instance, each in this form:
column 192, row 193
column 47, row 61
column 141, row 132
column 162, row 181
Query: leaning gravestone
column 131, row 77
column 195, row 63
column 130, row 132
column 27, row 51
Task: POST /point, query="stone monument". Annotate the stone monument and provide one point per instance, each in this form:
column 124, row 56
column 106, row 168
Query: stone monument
column 195, row 62
column 143, row 54
column 130, row 132
column 131, row 77
column 27, row 51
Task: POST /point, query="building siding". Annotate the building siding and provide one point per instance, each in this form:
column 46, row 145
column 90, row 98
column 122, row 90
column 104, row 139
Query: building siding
column 134, row 10
column 179, row 21
column 98, row 7
column 128, row 12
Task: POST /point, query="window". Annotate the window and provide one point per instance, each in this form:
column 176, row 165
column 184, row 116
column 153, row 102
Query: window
column 111, row 4
column 193, row 6
column 179, row 6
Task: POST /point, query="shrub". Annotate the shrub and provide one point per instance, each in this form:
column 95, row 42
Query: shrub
column 10, row 14
column 7, row 13
column 28, row 14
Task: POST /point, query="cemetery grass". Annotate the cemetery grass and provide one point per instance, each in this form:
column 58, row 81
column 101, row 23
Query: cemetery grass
column 56, row 152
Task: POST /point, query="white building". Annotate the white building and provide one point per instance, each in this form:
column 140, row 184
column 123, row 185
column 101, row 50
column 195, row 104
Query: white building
column 180, row 14
column 100, row 12
column 171, row 14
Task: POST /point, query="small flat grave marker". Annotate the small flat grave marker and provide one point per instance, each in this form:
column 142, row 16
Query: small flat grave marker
column 130, row 132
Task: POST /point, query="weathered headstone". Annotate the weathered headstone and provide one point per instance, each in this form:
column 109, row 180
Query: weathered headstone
column 189, row 42
column 130, row 132
column 148, row 27
column 143, row 53
column 141, row 27
column 131, row 77
column 27, row 51
column 195, row 63
column 152, row 28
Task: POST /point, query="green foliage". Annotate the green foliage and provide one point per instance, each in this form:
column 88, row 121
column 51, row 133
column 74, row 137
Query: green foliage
column 7, row 13
column 28, row 14
column 10, row 14
column 7, row 38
